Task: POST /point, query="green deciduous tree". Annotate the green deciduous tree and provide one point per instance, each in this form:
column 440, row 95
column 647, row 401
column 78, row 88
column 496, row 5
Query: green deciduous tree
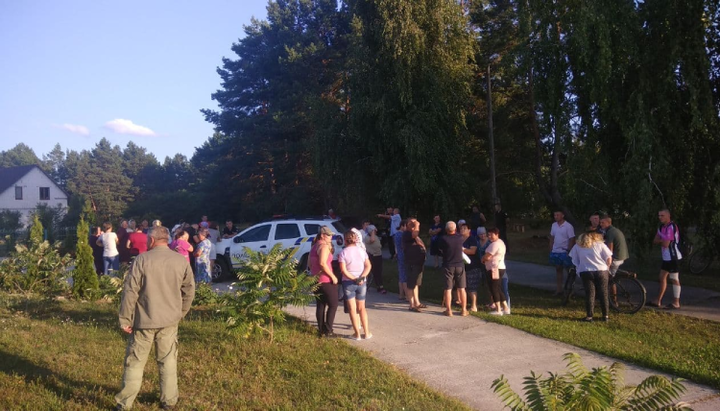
column 408, row 89
column 10, row 220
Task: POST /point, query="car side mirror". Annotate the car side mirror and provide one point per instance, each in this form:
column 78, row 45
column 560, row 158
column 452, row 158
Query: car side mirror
column 238, row 239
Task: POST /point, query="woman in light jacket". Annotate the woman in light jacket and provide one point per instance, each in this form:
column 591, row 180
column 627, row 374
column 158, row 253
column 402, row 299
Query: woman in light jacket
column 591, row 258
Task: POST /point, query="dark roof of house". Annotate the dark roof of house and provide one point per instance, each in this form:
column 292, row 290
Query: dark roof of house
column 9, row 176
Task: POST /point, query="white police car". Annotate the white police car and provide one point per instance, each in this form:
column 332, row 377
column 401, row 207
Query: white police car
column 292, row 232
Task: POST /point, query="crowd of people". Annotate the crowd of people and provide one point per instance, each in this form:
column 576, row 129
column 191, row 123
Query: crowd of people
column 196, row 242
column 599, row 252
column 471, row 256
column 159, row 288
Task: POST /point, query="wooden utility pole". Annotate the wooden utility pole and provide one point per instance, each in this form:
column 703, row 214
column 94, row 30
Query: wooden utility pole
column 491, row 139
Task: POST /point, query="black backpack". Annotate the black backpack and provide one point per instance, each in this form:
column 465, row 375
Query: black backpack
column 682, row 244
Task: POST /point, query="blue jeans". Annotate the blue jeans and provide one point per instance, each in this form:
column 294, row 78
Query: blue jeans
column 353, row 290
column 505, row 288
column 111, row 263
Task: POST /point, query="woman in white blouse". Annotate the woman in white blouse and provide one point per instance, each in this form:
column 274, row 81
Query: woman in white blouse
column 592, row 258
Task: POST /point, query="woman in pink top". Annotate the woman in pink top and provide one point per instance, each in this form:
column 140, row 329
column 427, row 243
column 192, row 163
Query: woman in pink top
column 181, row 244
column 355, row 267
column 320, row 262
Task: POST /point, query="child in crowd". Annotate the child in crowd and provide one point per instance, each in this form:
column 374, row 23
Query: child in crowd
column 181, row 244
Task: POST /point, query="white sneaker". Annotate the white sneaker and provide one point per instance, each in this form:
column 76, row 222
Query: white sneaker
column 506, row 312
column 496, row 313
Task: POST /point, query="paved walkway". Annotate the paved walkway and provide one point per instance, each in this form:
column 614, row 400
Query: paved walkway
column 461, row 356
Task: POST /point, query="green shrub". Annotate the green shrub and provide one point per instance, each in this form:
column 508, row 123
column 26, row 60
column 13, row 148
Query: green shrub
column 597, row 389
column 36, row 268
column 266, row 284
column 85, row 279
column 10, row 220
column 205, row 295
column 36, row 231
column 51, row 219
column 111, row 286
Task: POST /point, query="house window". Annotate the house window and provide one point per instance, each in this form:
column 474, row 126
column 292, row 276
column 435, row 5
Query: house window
column 18, row 193
column 44, row 193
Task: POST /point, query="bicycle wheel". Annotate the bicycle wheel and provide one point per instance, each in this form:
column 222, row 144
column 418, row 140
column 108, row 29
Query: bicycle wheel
column 569, row 287
column 629, row 296
column 700, row 260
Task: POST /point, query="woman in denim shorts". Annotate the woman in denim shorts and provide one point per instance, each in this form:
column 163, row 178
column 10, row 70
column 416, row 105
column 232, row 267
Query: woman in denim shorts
column 355, row 267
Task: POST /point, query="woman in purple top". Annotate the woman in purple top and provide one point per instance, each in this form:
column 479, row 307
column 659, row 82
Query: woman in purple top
column 181, row 245
column 355, row 267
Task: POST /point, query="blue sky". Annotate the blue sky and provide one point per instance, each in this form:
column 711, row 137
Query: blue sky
column 73, row 72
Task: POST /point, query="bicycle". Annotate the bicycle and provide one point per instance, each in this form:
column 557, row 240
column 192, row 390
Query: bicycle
column 701, row 259
column 629, row 294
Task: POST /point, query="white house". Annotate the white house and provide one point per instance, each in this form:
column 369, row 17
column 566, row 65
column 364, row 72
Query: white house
column 24, row 188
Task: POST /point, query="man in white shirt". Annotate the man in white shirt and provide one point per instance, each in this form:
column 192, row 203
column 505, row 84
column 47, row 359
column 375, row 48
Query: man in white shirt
column 395, row 220
column 562, row 239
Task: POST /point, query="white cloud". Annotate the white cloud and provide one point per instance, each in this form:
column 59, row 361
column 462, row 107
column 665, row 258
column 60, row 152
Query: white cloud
column 122, row 126
column 73, row 128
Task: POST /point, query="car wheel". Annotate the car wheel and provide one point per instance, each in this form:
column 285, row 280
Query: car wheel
column 303, row 264
column 220, row 271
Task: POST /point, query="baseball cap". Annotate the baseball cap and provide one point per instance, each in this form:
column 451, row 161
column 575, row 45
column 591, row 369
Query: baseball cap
column 370, row 228
column 461, row 222
column 326, row 230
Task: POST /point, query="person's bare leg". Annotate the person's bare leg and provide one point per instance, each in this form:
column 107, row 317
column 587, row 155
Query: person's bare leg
column 354, row 317
column 473, row 301
column 674, row 279
column 410, row 296
column 463, row 301
column 662, row 286
column 416, row 296
column 504, row 306
column 448, row 303
column 559, row 271
column 364, row 318
column 458, row 300
column 402, row 287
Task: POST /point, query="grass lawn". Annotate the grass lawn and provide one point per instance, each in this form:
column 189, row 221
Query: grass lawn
column 68, row 356
column 683, row 346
